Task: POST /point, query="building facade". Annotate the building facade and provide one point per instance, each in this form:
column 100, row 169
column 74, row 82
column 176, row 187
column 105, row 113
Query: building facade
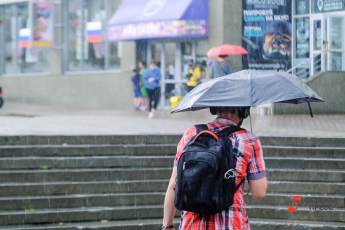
column 80, row 53
column 318, row 36
column 64, row 52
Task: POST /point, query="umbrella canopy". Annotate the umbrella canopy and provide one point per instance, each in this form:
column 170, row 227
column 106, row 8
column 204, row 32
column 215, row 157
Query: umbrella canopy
column 226, row 50
column 248, row 88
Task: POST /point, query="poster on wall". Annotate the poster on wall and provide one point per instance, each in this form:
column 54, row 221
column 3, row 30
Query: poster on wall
column 42, row 24
column 267, row 33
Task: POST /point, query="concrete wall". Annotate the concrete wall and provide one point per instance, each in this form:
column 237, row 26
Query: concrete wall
column 330, row 86
column 216, row 29
column 225, row 27
column 101, row 90
column 232, row 21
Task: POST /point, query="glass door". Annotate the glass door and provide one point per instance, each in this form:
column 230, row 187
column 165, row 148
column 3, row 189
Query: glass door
column 168, row 56
column 163, row 54
column 336, row 46
column 169, row 87
column 317, row 43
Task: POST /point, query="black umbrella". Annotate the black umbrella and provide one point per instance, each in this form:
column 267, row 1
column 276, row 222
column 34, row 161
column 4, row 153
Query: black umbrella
column 248, row 88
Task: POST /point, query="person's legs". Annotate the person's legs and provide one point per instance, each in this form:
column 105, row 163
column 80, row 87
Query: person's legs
column 136, row 103
column 157, row 94
column 150, row 94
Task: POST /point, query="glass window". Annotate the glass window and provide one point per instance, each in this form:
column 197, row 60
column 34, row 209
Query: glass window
column 27, row 39
column 336, row 32
column 114, row 55
column 302, row 7
column 88, row 48
column 113, row 48
column 317, row 34
column 335, row 61
column 317, row 63
column 302, row 37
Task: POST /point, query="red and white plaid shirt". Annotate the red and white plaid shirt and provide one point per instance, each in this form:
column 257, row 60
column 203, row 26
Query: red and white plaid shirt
column 250, row 164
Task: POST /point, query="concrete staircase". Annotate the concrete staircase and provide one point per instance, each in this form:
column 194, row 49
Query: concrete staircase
column 118, row 182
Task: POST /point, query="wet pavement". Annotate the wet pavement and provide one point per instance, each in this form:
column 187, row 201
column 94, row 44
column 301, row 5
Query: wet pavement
column 24, row 119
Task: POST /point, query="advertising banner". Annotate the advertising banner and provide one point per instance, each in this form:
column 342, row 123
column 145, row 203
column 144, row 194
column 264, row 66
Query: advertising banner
column 42, row 24
column 267, row 33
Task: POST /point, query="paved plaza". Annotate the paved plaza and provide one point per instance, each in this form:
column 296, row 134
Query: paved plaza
column 24, row 119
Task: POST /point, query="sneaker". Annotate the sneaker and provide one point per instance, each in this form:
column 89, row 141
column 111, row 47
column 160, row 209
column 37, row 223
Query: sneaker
column 151, row 115
column 142, row 108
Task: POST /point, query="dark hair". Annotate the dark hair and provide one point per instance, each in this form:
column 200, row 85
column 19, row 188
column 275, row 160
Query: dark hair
column 143, row 63
column 242, row 112
column 223, row 56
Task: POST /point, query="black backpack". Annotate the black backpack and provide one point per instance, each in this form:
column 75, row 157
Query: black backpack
column 206, row 173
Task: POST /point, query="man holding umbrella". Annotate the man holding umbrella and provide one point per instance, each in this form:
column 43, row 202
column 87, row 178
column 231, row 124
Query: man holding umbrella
column 222, row 66
column 230, row 98
column 250, row 164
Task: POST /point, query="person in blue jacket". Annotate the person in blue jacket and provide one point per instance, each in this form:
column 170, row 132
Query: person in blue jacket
column 152, row 77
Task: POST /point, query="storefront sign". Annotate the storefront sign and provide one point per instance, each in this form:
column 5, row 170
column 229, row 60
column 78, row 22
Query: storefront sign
column 267, row 33
column 43, row 24
column 163, row 29
column 152, row 19
column 328, row 5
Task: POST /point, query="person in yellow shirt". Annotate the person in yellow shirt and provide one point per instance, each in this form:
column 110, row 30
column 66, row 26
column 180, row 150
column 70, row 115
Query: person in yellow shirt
column 194, row 75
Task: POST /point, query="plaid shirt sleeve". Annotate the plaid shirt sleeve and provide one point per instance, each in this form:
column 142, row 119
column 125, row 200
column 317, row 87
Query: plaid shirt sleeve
column 256, row 166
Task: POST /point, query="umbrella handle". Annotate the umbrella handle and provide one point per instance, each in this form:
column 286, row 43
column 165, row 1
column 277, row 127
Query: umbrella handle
column 310, row 111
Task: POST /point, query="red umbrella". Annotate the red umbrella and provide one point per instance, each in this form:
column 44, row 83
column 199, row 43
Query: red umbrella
column 226, row 50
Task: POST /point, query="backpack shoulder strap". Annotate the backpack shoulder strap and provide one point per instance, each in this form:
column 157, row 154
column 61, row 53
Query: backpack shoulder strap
column 200, row 127
column 228, row 130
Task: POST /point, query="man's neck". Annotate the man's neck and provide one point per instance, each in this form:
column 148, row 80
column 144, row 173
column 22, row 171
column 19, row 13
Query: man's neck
column 230, row 116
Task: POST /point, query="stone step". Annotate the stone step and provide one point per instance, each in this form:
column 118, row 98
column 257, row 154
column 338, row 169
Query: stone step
column 307, row 200
column 89, row 139
column 18, row 163
column 151, row 198
column 303, row 141
column 156, row 139
column 98, row 174
column 82, row 187
column 152, row 150
column 81, row 200
column 307, row 152
column 155, row 211
column 276, row 224
column 305, row 163
column 149, row 224
column 87, row 150
column 88, row 162
column 308, row 175
column 64, row 188
column 303, row 213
